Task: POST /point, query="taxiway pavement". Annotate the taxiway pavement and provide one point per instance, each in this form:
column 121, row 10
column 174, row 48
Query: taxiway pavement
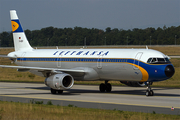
column 88, row 96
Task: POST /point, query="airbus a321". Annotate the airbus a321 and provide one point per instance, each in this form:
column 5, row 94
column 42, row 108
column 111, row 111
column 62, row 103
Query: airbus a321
column 60, row 67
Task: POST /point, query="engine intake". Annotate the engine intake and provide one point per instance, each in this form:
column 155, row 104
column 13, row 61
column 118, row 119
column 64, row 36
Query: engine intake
column 59, row 81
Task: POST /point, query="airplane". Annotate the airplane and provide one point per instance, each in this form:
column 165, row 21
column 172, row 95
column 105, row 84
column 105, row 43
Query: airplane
column 60, row 67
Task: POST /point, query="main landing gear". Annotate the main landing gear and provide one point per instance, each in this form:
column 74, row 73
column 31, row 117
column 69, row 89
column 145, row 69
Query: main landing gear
column 53, row 91
column 105, row 87
column 149, row 91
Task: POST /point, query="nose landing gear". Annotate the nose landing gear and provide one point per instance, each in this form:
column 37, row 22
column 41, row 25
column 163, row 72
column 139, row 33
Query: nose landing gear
column 149, row 91
column 106, row 87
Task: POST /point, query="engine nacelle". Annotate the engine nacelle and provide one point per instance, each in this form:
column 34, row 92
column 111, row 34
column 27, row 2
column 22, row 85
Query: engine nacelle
column 133, row 84
column 59, row 81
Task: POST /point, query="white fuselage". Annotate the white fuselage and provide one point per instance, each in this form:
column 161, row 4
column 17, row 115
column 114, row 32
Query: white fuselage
column 99, row 64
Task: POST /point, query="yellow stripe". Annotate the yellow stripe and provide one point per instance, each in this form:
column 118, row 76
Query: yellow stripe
column 145, row 75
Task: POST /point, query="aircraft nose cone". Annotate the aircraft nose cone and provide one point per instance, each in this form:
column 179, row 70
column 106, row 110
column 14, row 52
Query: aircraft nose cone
column 169, row 71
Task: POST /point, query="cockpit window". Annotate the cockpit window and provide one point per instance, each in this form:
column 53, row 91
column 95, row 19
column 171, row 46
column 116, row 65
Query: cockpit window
column 158, row 60
column 149, row 60
column 161, row 59
column 154, row 60
column 167, row 60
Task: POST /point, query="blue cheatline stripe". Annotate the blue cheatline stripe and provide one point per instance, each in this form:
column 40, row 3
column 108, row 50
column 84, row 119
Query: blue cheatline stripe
column 74, row 60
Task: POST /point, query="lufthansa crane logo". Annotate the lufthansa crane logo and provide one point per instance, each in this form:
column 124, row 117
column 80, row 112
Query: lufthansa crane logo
column 15, row 25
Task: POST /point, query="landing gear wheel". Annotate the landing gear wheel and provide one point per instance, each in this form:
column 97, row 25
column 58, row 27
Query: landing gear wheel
column 53, row 91
column 105, row 87
column 149, row 91
column 108, row 87
column 60, row 91
column 102, row 87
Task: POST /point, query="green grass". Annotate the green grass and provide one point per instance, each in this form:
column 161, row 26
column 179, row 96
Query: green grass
column 39, row 111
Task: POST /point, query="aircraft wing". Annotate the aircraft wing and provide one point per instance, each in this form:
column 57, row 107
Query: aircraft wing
column 5, row 56
column 175, row 56
column 79, row 72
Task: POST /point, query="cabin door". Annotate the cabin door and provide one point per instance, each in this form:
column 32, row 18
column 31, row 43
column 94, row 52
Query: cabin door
column 99, row 62
column 59, row 60
column 136, row 60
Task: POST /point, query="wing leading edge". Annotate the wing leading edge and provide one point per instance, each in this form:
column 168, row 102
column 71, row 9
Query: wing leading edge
column 41, row 69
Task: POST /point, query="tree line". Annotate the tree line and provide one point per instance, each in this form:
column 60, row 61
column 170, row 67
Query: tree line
column 79, row 36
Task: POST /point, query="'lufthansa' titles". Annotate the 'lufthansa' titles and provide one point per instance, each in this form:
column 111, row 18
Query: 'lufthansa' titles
column 81, row 53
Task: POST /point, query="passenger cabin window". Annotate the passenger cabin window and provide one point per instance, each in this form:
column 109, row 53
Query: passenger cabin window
column 158, row 60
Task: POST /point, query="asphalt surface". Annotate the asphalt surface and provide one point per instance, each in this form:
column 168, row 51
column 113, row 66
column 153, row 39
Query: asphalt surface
column 88, row 96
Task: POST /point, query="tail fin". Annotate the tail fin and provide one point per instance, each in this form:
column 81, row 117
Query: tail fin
column 20, row 40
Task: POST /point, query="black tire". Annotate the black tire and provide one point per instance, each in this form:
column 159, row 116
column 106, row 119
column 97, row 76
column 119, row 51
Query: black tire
column 108, row 87
column 147, row 93
column 102, row 87
column 151, row 93
column 60, row 91
column 53, row 91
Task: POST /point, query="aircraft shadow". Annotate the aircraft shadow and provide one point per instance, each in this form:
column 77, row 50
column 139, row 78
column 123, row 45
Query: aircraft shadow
column 124, row 92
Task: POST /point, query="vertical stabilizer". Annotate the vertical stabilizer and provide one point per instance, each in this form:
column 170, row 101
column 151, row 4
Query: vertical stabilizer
column 19, row 37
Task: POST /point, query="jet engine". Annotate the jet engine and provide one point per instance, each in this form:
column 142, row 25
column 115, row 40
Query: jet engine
column 133, row 84
column 59, row 81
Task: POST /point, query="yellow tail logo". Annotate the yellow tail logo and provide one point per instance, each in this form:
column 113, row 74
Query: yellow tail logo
column 15, row 26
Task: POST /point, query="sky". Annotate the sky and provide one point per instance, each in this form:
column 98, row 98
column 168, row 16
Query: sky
column 100, row 14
